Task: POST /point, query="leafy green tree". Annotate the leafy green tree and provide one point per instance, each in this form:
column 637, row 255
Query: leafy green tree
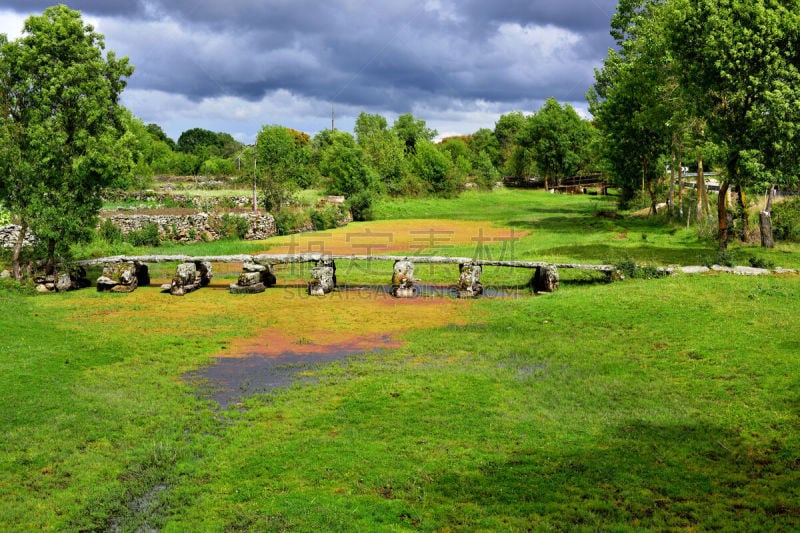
column 61, row 128
column 282, row 162
column 205, row 145
column 630, row 104
column 412, row 131
column 368, row 126
column 455, row 147
column 558, row 139
column 158, row 134
column 193, row 140
column 384, row 152
column 435, row 169
column 740, row 62
column 486, row 174
column 484, row 140
column 141, row 145
column 506, row 131
column 344, row 165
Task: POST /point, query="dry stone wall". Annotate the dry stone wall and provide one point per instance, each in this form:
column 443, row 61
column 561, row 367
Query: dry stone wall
column 196, row 227
column 9, row 235
column 178, row 200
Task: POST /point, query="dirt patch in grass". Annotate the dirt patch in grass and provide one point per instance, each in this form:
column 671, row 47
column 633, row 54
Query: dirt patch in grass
column 386, row 237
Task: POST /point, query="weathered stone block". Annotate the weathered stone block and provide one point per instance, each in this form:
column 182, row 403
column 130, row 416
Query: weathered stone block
column 115, row 274
column 469, row 284
column 205, row 272
column 545, row 279
column 403, row 280
column 247, row 279
column 322, row 280
column 253, row 267
column 185, row 274
column 249, row 289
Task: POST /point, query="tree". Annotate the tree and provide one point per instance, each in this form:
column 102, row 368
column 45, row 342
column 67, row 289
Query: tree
column 159, row 134
column 282, row 162
column 61, row 127
column 633, row 102
column 193, row 140
column 344, row 165
column 506, row 130
column 384, row 151
column 484, row 140
column 739, row 61
column 412, row 131
column 558, row 138
column 435, row 169
column 368, row 126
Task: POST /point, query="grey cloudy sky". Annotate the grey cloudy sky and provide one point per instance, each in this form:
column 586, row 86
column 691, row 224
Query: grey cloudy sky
column 236, row 65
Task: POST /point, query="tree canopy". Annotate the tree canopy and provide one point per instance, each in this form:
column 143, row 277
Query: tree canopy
column 61, row 126
column 719, row 73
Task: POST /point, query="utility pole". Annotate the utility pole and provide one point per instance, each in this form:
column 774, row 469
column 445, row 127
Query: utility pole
column 255, row 189
column 333, row 127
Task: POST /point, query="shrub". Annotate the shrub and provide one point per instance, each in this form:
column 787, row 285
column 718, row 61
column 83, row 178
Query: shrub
column 149, row 235
column 631, row 270
column 325, row 218
column 786, row 220
column 231, row 226
column 760, row 262
column 10, row 285
column 110, row 232
column 723, row 258
column 289, row 221
column 360, row 205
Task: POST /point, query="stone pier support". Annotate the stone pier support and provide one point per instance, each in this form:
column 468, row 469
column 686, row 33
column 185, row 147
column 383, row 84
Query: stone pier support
column 323, row 278
column 255, row 278
column 190, row 277
column 545, row 279
column 123, row 277
column 403, row 280
column 469, row 281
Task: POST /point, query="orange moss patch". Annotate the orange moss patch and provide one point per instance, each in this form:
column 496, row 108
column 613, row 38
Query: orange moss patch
column 391, row 236
column 282, row 319
column 346, row 321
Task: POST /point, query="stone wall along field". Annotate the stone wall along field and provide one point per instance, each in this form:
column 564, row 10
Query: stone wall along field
column 9, row 235
column 196, row 227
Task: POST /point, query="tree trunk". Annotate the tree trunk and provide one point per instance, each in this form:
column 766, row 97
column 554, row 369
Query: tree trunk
column 15, row 266
column 671, row 196
column 722, row 215
column 50, row 266
column 653, row 200
column 765, row 222
column 680, row 184
column 255, row 189
column 702, row 192
column 742, row 202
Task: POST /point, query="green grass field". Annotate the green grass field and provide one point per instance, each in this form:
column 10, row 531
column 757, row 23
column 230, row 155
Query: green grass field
column 668, row 404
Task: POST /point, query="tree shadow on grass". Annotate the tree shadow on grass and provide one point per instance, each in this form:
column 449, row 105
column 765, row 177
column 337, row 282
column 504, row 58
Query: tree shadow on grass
column 606, row 253
column 639, row 475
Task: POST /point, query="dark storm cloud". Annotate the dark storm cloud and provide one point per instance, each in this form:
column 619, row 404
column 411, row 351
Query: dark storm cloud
column 376, row 56
column 97, row 7
column 579, row 15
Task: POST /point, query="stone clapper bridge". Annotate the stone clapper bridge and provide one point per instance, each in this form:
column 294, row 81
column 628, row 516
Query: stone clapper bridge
column 125, row 273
